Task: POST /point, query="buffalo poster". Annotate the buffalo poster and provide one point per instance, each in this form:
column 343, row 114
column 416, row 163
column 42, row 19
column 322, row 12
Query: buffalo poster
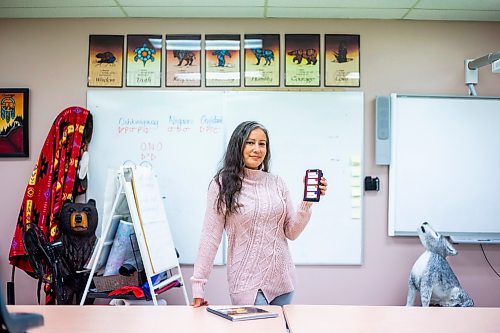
column 183, row 60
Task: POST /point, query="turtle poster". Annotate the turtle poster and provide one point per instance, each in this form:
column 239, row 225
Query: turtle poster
column 144, row 60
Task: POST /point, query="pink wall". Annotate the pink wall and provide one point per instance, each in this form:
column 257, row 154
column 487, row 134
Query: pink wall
column 50, row 58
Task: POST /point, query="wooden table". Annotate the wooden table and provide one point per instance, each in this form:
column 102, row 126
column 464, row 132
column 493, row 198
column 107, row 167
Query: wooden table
column 342, row 318
column 139, row 319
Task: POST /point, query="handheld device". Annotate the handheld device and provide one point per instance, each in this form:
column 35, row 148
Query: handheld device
column 311, row 185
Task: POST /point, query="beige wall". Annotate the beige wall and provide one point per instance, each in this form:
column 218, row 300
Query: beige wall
column 50, row 58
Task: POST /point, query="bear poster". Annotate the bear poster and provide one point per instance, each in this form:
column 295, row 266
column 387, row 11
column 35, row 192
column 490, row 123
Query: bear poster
column 302, row 60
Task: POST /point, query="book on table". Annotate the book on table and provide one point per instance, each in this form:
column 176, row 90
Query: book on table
column 236, row 313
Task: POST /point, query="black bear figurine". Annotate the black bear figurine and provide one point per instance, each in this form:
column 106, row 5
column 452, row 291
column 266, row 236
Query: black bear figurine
column 77, row 225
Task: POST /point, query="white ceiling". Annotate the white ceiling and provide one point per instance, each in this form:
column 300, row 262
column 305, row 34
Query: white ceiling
column 461, row 10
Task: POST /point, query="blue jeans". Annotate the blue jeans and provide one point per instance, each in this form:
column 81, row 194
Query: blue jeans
column 284, row 299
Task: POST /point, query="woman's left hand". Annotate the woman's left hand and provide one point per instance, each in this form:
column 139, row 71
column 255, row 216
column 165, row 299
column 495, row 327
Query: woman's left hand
column 323, row 184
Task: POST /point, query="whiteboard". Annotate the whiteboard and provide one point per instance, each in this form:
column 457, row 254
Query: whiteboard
column 178, row 133
column 313, row 130
column 183, row 135
column 445, row 166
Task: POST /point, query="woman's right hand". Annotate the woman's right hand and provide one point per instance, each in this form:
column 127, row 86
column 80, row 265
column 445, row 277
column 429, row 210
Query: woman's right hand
column 197, row 302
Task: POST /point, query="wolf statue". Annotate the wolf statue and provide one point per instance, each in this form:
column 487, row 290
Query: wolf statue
column 432, row 276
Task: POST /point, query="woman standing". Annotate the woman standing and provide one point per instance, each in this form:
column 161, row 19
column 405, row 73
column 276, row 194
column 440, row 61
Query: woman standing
column 255, row 209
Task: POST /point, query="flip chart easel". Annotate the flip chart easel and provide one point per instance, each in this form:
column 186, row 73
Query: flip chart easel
column 138, row 197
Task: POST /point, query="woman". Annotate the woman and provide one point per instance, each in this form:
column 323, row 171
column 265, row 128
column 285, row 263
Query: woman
column 255, row 209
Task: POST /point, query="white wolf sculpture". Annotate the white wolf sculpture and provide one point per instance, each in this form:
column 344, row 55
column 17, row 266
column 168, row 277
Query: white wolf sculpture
column 431, row 274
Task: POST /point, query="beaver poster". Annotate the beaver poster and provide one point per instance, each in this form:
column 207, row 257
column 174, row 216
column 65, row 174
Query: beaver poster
column 105, row 61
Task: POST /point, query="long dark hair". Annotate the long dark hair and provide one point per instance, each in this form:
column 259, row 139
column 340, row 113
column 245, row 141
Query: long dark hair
column 230, row 175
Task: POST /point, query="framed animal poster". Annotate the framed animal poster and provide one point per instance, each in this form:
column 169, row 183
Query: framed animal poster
column 262, row 60
column 222, row 61
column 183, row 60
column 105, row 61
column 342, row 61
column 144, row 60
column 14, row 122
column 302, row 60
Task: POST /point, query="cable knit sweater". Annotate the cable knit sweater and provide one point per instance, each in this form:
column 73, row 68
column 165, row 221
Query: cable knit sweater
column 257, row 254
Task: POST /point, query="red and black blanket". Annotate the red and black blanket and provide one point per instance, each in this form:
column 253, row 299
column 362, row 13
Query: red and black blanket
column 53, row 181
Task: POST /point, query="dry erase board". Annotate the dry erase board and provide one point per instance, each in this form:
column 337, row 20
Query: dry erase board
column 445, row 165
column 179, row 134
column 183, row 135
column 314, row 130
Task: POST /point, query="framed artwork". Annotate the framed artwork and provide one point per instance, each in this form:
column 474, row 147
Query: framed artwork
column 14, row 122
column 105, row 61
column 144, row 60
column 262, row 60
column 342, row 61
column 183, row 60
column 302, row 60
column 222, row 61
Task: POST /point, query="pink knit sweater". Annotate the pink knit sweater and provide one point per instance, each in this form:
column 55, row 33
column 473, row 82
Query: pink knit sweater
column 257, row 255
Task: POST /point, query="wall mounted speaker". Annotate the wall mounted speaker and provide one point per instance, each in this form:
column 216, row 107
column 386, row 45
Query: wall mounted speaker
column 383, row 130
